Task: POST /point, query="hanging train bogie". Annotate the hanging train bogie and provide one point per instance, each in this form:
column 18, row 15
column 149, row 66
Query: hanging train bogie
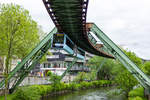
column 62, row 41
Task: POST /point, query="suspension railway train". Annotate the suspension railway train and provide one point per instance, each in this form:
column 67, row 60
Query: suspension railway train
column 62, row 41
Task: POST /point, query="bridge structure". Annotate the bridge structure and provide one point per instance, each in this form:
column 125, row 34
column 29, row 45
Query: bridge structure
column 69, row 17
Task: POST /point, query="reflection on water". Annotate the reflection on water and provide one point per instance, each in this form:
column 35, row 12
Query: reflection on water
column 91, row 94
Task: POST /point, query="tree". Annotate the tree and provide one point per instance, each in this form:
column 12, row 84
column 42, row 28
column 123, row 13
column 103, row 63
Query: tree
column 114, row 70
column 146, row 68
column 105, row 72
column 81, row 77
column 18, row 33
column 124, row 78
column 55, row 81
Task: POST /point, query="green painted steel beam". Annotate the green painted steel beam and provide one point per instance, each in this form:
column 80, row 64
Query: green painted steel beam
column 69, row 67
column 69, row 16
column 29, row 58
column 119, row 54
column 28, row 69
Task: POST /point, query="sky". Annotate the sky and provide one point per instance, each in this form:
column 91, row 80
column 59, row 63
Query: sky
column 126, row 22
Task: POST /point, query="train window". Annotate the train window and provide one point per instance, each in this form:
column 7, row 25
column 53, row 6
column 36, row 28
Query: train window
column 58, row 39
column 69, row 43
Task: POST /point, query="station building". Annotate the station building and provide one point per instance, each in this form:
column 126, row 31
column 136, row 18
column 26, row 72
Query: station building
column 57, row 63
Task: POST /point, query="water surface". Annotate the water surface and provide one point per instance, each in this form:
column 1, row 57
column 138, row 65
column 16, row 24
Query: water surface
column 90, row 94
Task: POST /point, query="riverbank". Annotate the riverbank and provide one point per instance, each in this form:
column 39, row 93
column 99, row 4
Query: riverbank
column 43, row 92
column 37, row 92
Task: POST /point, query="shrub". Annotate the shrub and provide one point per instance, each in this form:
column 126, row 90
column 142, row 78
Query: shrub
column 49, row 73
column 96, row 83
column 34, row 92
column 27, row 93
column 73, row 86
column 84, row 85
column 137, row 92
column 136, row 98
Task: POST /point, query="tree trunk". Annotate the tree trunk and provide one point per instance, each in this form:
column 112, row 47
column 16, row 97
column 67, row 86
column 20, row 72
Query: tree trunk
column 8, row 59
column 7, row 67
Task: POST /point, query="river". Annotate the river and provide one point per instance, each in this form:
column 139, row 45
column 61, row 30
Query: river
column 91, row 94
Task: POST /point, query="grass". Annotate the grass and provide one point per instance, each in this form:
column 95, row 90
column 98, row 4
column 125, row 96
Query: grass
column 35, row 92
column 9, row 97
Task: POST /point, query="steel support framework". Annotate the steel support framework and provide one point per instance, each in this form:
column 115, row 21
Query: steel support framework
column 69, row 16
column 27, row 64
column 68, row 68
column 111, row 47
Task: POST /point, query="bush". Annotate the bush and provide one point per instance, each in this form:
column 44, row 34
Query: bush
column 84, row 85
column 73, row 86
column 137, row 92
column 49, row 73
column 96, row 83
column 27, row 93
column 34, row 92
column 136, row 98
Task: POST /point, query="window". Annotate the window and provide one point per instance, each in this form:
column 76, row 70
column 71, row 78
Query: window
column 69, row 43
column 58, row 39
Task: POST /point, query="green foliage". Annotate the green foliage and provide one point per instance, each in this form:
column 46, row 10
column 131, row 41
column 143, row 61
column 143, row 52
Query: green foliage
column 27, row 93
column 137, row 92
column 9, row 97
column 18, row 32
column 146, row 68
column 34, row 92
column 95, row 62
column 114, row 70
column 91, row 75
column 81, row 77
column 136, row 98
column 124, row 78
column 126, row 81
column 105, row 71
column 54, row 79
column 133, row 57
column 49, row 73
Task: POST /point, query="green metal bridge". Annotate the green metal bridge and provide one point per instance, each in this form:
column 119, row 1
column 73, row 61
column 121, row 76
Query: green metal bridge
column 69, row 17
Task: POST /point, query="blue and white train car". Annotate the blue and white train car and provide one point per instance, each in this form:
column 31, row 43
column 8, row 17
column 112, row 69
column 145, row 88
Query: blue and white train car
column 62, row 41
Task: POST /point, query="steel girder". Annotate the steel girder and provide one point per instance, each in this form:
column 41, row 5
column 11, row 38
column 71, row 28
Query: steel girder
column 111, row 47
column 27, row 64
column 68, row 67
column 69, row 16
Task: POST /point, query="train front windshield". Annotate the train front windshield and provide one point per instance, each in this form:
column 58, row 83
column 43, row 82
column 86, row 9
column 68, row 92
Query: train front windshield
column 58, row 40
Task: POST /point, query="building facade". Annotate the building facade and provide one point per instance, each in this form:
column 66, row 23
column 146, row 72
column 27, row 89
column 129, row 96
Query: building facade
column 57, row 63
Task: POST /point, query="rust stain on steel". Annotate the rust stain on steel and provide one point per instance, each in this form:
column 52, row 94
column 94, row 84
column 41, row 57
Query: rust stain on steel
column 98, row 46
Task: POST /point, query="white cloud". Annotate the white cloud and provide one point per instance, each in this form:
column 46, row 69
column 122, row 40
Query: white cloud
column 125, row 22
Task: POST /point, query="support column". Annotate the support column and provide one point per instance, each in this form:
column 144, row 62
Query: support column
column 147, row 93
